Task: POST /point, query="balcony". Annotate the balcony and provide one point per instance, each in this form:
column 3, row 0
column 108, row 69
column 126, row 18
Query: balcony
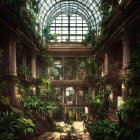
column 68, row 49
column 66, row 44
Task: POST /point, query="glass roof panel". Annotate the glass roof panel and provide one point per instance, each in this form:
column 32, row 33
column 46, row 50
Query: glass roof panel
column 87, row 9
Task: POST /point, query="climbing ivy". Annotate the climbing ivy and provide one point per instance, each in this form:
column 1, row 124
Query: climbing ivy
column 128, row 113
column 47, row 36
column 91, row 68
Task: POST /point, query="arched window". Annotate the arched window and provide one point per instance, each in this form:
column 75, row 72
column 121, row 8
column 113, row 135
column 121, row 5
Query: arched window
column 69, row 28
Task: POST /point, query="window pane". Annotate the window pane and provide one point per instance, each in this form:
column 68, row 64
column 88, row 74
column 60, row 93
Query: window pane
column 78, row 27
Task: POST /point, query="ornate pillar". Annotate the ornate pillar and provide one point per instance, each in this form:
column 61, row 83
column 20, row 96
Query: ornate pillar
column 106, row 64
column 125, row 51
column 124, row 92
column 93, row 93
column 88, row 113
column 33, row 70
column 33, row 65
column 12, row 55
column 13, row 88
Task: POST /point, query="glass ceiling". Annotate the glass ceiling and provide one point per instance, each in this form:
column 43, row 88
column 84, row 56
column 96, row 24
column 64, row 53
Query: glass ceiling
column 87, row 9
column 51, row 9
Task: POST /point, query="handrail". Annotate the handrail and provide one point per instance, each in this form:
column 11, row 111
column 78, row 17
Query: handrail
column 66, row 44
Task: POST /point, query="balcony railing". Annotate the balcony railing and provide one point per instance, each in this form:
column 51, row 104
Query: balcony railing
column 66, row 44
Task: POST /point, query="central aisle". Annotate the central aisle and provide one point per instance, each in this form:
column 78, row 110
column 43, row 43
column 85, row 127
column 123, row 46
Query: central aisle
column 78, row 130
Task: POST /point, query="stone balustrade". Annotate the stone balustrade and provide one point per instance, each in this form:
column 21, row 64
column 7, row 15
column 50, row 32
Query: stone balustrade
column 66, row 44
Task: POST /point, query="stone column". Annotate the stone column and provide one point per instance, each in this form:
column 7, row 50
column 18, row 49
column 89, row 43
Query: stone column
column 33, row 71
column 88, row 113
column 106, row 64
column 93, row 93
column 125, row 51
column 124, row 92
column 12, row 55
column 33, row 65
column 13, row 88
column 16, row 95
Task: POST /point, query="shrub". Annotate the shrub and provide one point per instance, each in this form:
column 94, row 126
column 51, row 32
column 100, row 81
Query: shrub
column 102, row 129
column 12, row 124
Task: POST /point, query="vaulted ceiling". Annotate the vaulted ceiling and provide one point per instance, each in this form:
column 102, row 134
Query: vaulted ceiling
column 89, row 10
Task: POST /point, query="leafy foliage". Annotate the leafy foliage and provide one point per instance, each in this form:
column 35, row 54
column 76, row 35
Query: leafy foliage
column 131, row 106
column 128, row 126
column 56, row 72
column 98, row 106
column 44, row 85
column 57, row 128
column 69, row 133
column 91, row 68
column 23, row 70
column 24, row 90
column 90, row 38
column 105, row 12
column 107, row 130
column 34, row 103
column 47, row 36
column 48, row 60
column 3, row 86
column 11, row 124
column 102, row 130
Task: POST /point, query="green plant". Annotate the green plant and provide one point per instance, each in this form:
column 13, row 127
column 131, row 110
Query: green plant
column 24, row 90
column 69, row 122
column 24, row 70
column 69, row 133
column 48, row 60
column 103, row 130
column 99, row 105
column 91, row 68
column 11, row 124
column 106, row 9
column 56, row 71
column 34, row 103
column 90, row 38
column 43, row 88
column 3, row 86
column 128, row 126
column 47, row 36
column 57, row 128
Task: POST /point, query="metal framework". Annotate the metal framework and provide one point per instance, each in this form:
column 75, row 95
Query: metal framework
column 88, row 10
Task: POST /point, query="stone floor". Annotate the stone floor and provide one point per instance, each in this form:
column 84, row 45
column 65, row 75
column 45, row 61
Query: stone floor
column 77, row 130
